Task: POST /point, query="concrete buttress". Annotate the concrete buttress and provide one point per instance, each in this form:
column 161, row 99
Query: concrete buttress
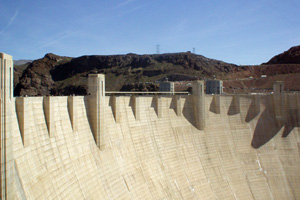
column 136, row 107
column 217, row 103
column 279, row 102
column 199, row 104
column 49, row 115
column 116, row 108
column 72, row 104
column 177, row 104
column 96, row 101
column 6, row 144
column 158, row 105
column 23, row 118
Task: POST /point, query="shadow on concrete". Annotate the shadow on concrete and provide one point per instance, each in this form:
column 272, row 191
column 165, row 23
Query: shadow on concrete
column 253, row 111
column 213, row 107
column 87, row 109
column 266, row 127
column 188, row 111
column 173, row 103
column 234, row 107
column 19, row 118
column 131, row 104
column 111, row 104
column 153, row 104
column 292, row 121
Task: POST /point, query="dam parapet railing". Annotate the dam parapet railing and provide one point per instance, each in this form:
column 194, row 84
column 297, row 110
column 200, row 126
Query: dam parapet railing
column 95, row 104
column 144, row 93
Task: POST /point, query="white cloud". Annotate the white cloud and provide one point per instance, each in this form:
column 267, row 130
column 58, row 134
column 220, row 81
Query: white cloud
column 12, row 19
column 124, row 3
column 130, row 10
column 55, row 40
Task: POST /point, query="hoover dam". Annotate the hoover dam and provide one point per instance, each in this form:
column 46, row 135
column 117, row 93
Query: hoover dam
column 181, row 146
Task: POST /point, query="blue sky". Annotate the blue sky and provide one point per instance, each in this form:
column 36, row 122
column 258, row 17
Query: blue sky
column 235, row 31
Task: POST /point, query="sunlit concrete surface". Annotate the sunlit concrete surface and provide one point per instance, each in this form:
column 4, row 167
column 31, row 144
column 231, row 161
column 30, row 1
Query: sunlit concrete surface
column 239, row 155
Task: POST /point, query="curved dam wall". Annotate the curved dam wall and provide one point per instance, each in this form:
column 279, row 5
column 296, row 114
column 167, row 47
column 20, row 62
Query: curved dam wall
column 244, row 152
column 148, row 147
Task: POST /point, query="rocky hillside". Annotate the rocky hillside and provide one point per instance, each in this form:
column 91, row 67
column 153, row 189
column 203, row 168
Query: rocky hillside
column 291, row 56
column 283, row 67
column 260, row 78
column 22, row 62
column 57, row 75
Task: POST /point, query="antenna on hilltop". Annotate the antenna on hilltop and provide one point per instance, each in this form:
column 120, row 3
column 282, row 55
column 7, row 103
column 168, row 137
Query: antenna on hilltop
column 194, row 50
column 157, row 49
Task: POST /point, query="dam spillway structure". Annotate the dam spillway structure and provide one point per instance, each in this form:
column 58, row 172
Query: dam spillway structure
column 178, row 146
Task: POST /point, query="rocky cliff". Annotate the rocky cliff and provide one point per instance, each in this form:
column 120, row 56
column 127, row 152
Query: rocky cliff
column 57, row 75
column 291, row 56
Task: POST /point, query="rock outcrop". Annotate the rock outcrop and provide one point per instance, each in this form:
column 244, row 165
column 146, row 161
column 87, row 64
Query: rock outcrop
column 57, row 75
column 291, row 56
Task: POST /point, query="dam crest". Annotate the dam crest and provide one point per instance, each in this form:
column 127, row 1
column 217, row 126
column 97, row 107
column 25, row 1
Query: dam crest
column 161, row 146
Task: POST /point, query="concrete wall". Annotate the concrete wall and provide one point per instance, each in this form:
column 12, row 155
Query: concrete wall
column 6, row 142
column 242, row 153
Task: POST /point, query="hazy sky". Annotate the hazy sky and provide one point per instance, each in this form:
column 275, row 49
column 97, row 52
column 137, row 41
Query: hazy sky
column 235, row 31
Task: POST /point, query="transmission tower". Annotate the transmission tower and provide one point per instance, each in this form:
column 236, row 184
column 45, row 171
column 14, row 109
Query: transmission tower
column 194, row 50
column 157, row 49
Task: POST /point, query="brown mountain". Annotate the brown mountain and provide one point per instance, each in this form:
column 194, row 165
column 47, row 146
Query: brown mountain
column 57, row 75
column 260, row 78
column 21, row 62
column 291, row 56
column 283, row 67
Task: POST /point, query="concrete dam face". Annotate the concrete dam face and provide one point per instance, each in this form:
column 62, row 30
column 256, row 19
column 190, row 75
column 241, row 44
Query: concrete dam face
column 149, row 147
